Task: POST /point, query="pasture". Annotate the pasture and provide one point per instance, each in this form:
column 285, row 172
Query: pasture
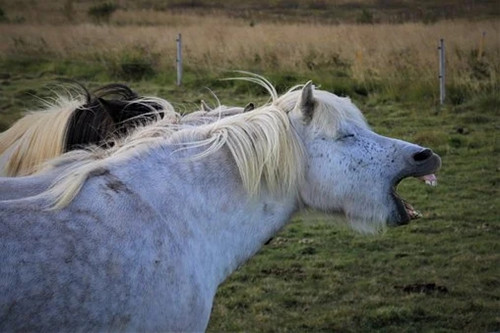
column 440, row 273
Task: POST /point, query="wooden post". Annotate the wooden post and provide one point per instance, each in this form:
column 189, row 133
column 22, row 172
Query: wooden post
column 480, row 50
column 442, row 72
column 179, row 59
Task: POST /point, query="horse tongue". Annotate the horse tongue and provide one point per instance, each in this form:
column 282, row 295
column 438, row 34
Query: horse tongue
column 429, row 179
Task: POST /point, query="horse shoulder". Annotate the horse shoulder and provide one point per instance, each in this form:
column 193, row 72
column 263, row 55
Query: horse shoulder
column 109, row 243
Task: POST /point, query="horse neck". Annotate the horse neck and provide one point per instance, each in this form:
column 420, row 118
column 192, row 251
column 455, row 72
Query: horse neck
column 204, row 199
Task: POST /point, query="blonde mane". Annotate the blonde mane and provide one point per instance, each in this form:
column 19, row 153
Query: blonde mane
column 266, row 148
column 38, row 136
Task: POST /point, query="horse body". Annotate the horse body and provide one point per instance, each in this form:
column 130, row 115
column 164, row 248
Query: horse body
column 129, row 260
column 140, row 239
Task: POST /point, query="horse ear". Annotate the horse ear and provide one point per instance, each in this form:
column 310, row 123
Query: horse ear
column 307, row 102
column 249, row 107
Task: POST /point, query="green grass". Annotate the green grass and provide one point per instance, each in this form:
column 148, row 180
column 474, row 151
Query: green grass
column 316, row 275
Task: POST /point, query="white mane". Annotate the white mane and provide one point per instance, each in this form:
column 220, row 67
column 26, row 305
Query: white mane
column 330, row 112
column 263, row 143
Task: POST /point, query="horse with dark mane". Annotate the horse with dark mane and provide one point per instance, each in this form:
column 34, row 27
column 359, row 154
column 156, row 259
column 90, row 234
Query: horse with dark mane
column 73, row 123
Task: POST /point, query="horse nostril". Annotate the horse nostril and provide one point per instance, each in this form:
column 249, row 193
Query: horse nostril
column 423, row 155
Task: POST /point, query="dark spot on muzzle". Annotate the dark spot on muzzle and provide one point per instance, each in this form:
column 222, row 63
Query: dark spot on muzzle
column 423, row 155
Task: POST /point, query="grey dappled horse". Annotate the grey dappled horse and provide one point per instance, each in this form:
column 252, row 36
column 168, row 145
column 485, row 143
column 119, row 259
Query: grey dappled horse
column 139, row 237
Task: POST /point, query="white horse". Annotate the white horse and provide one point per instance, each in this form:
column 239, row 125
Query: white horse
column 139, row 237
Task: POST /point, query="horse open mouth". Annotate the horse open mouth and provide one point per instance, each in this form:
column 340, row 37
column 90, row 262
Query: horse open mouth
column 406, row 210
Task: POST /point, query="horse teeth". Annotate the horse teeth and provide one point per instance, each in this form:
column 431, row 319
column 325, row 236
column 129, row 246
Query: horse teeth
column 431, row 182
column 414, row 214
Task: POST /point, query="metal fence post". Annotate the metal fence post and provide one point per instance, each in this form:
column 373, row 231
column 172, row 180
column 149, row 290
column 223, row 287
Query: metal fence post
column 179, row 59
column 442, row 72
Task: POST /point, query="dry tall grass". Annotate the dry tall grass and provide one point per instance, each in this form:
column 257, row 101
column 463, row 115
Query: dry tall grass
column 405, row 51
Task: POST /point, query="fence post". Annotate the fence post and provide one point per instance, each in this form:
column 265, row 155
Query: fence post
column 480, row 50
column 179, row 59
column 442, row 72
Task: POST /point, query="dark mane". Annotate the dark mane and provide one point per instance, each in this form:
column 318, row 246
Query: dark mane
column 116, row 90
column 127, row 108
column 110, row 110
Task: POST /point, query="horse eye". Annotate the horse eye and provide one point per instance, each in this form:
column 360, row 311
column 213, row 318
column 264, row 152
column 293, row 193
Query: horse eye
column 345, row 136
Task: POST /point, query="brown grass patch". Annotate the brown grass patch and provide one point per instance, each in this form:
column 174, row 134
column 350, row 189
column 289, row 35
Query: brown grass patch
column 365, row 52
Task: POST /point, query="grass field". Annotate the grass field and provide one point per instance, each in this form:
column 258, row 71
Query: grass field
column 440, row 273
column 437, row 274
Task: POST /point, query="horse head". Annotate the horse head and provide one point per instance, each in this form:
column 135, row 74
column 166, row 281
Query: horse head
column 350, row 168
